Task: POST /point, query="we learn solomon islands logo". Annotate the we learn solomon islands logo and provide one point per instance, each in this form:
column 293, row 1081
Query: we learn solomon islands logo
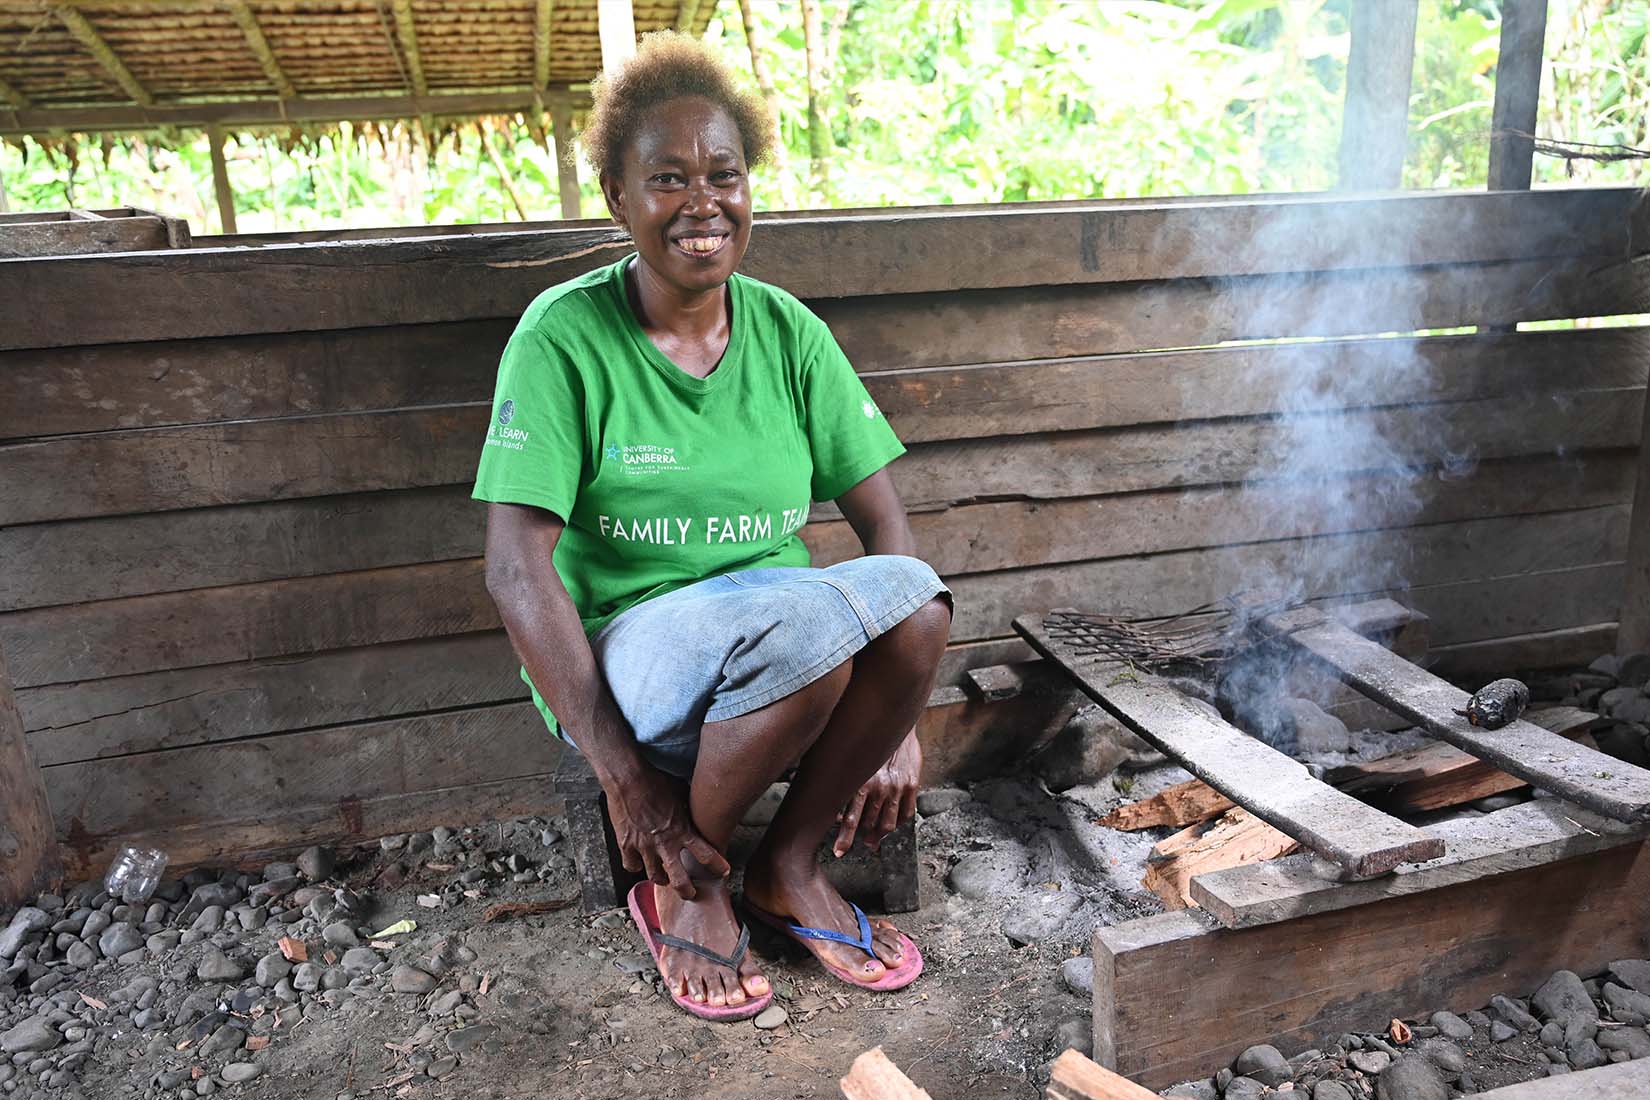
column 500, row 434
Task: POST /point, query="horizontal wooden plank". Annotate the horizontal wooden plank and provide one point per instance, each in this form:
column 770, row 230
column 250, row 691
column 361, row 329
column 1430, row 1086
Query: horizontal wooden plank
column 1176, row 993
column 1492, row 658
column 278, row 288
column 166, row 469
column 1512, row 839
column 1621, row 1081
column 23, row 240
column 82, row 560
column 1270, row 784
column 1582, row 775
column 269, row 776
column 305, row 615
column 992, row 326
column 251, row 842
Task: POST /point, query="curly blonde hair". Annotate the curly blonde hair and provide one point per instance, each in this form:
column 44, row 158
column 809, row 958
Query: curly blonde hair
column 668, row 66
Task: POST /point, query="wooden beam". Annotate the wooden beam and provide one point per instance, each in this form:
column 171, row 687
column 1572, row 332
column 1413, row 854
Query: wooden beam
column 1622, row 1081
column 1274, row 787
column 11, row 95
column 1517, row 89
column 567, row 164
column 1076, row 1077
column 1527, row 835
column 1375, row 119
column 272, row 112
column 1634, row 633
column 220, row 179
column 248, row 21
column 407, row 32
column 542, row 12
column 616, row 23
column 1178, row 993
column 82, row 29
column 874, row 1077
column 28, row 842
column 1585, row 776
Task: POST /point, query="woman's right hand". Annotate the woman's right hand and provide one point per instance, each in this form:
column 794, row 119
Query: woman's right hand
column 653, row 826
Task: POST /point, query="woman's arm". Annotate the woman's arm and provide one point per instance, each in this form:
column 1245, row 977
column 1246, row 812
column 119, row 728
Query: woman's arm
column 650, row 817
column 889, row 798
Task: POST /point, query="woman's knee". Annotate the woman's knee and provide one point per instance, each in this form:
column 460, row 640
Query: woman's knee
column 918, row 641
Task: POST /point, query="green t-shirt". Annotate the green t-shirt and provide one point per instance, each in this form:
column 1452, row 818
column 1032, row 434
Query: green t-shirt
column 664, row 479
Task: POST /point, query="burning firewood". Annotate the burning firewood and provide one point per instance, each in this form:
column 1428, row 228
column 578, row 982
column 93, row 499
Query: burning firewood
column 1494, row 705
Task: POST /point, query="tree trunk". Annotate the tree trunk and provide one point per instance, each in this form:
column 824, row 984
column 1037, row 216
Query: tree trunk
column 764, row 80
column 813, row 36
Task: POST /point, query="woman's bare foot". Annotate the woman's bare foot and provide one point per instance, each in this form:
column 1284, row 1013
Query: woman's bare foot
column 804, row 895
column 706, row 920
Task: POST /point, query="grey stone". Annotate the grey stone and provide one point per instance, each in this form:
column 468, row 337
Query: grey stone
column 1616, row 697
column 1369, row 1061
column 24, row 923
column 316, row 863
column 1091, row 747
column 1632, row 1041
column 1244, row 1088
column 1584, row 1053
column 1077, row 974
column 1450, row 1059
column 1510, row 1011
column 466, row 1039
column 634, row 963
column 410, row 979
column 771, row 1017
column 275, row 872
column 215, row 966
column 1501, row 1032
column 1074, row 1034
column 441, row 1067
column 987, row 875
column 1330, row 1090
column 1627, row 1005
column 226, row 1038
column 80, row 955
column 1316, row 732
column 1564, row 999
column 761, row 812
column 1552, row 1034
column 1632, row 973
column 1264, row 1063
column 1451, row 1025
column 307, row 977
column 360, row 959
column 271, row 969
column 446, row 1003
column 1035, row 917
column 340, row 934
column 940, row 800
column 32, row 1035
column 334, row 978
column 1411, row 1077
column 162, row 942
column 236, row 1073
column 118, row 939
column 209, row 919
column 1205, row 1089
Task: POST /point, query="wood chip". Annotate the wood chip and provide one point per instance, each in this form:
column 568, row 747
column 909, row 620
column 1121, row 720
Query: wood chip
column 1180, row 805
column 441, row 866
column 331, row 958
column 197, row 1072
column 524, row 908
column 256, row 1042
column 293, row 950
column 1400, row 1032
column 93, row 1001
column 429, row 901
column 486, row 984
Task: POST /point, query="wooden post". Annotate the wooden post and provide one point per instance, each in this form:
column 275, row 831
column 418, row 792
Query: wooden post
column 616, row 22
column 5, row 203
column 29, row 861
column 220, row 180
column 1375, row 120
column 567, row 168
column 1517, row 87
column 1633, row 634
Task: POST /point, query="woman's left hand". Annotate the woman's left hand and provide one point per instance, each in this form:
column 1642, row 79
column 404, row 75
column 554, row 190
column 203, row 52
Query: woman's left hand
column 886, row 801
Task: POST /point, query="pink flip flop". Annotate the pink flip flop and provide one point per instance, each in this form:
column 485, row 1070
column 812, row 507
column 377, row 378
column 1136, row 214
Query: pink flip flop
column 893, row 977
column 644, row 910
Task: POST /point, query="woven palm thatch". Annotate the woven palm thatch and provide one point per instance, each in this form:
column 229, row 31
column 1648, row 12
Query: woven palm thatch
column 128, row 65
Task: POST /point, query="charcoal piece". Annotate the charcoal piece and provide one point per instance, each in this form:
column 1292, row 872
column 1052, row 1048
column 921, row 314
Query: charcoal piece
column 1494, row 705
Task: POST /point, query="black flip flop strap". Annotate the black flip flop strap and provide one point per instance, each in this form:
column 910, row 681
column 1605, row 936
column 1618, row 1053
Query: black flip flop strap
column 729, row 961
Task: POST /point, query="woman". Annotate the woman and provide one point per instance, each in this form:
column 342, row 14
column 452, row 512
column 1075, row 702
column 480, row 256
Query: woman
column 659, row 429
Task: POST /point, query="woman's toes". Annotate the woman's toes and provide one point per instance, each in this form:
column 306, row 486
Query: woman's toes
column 755, row 985
column 696, row 990
column 732, row 992
column 715, row 994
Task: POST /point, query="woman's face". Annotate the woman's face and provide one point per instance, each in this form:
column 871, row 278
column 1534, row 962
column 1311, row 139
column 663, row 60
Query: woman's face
column 684, row 195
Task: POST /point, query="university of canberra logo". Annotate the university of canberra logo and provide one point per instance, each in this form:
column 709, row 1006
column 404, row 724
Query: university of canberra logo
column 506, row 413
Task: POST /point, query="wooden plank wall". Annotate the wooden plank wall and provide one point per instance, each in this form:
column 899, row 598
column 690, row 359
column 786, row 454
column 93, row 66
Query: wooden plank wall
column 241, row 594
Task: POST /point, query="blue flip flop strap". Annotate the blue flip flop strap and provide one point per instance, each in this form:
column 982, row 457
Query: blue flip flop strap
column 863, row 943
column 729, row 961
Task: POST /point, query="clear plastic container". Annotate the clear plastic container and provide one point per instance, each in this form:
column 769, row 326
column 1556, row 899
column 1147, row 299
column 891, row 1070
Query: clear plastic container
column 134, row 874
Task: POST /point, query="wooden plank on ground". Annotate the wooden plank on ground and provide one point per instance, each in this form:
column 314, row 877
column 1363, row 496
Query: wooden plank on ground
column 1567, row 647
column 1177, row 993
column 215, row 292
column 1234, row 839
column 1528, row 835
column 1076, row 1077
column 1178, row 806
column 1622, row 1081
column 29, row 860
column 874, row 1077
column 1585, row 776
column 1271, row 785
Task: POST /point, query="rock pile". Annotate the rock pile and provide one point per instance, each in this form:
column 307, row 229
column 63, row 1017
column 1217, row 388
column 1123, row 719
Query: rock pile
column 1577, row 1025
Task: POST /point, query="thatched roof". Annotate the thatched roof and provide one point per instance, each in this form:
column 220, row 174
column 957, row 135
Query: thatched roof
column 133, row 64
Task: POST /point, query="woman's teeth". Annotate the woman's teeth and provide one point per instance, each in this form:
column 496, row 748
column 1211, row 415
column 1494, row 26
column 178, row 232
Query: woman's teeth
column 700, row 246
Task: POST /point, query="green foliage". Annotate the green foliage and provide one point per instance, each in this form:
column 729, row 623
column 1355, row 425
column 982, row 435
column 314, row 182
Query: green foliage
column 953, row 101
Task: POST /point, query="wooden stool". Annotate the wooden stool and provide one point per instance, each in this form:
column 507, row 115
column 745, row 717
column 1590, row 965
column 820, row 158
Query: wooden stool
column 891, row 872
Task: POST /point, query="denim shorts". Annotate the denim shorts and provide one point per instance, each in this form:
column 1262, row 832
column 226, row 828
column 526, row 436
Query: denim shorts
column 732, row 644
